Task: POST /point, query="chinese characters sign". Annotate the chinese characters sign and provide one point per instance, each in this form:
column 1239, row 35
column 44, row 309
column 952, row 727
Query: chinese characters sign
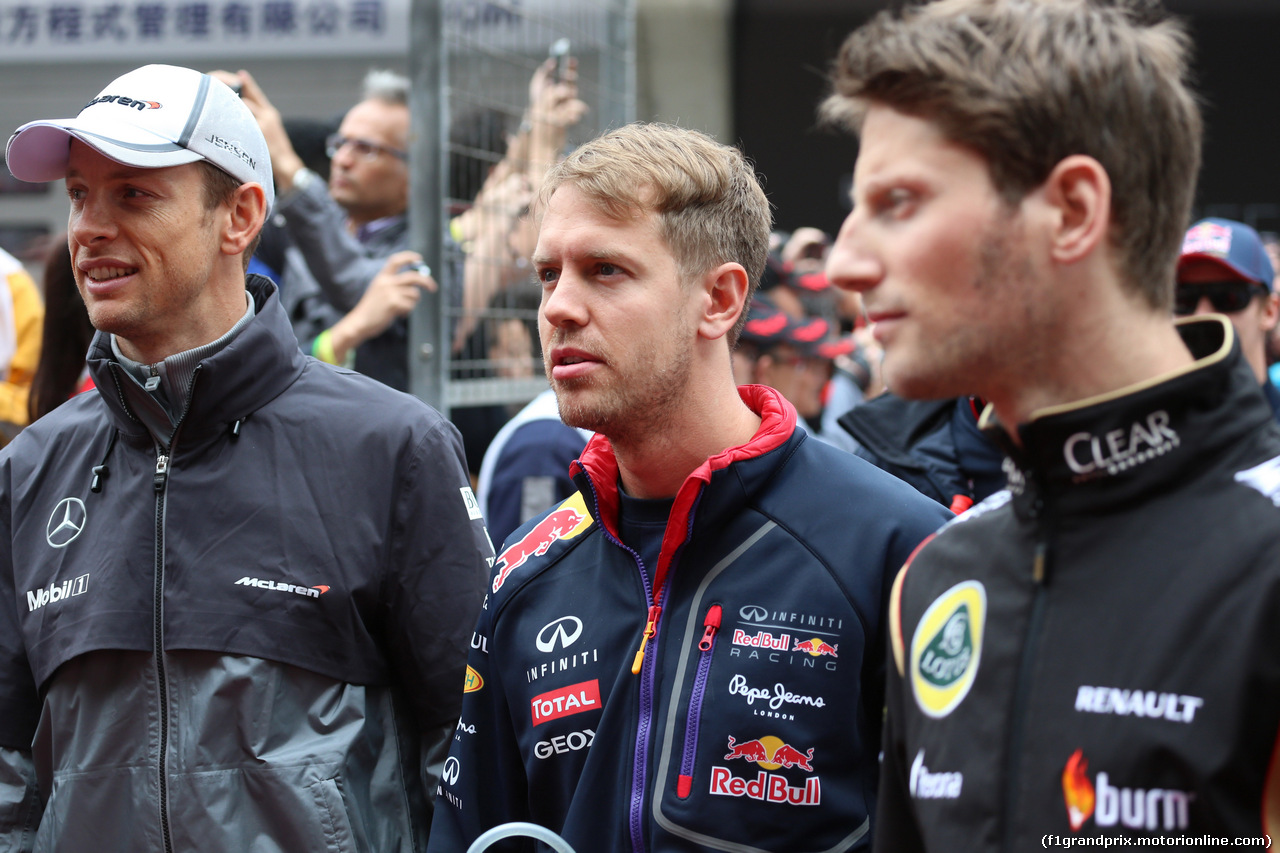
column 67, row 30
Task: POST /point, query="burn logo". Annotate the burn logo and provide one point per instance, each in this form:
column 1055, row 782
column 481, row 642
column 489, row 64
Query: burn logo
column 1150, row 809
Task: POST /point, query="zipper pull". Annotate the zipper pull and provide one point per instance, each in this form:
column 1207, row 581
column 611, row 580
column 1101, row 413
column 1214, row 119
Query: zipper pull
column 712, row 623
column 162, row 472
column 650, row 628
column 153, row 381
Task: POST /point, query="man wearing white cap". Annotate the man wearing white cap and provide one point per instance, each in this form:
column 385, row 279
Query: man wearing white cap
column 224, row 624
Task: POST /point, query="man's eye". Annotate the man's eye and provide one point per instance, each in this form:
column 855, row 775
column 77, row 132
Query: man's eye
column 608, row 269
column 546, row 276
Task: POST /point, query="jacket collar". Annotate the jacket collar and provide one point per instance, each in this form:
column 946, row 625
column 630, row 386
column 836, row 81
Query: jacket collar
column 254, row 368
column 596, row 474
column 1111, row 450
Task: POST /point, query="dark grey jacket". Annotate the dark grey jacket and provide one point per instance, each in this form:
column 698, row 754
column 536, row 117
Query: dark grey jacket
column 327, row 262
column 243, row 641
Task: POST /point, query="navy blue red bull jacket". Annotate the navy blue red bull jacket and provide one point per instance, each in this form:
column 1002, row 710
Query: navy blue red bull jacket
column 728, row 698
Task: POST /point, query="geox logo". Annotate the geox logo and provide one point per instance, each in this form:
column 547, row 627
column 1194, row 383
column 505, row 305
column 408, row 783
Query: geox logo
column 40, row 597
column 308, row 591
column 125, row 102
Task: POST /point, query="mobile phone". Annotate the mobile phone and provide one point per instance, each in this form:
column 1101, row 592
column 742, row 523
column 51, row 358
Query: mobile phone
column 560, row 53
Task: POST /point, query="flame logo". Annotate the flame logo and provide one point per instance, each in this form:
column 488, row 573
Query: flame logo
column 1077, row 790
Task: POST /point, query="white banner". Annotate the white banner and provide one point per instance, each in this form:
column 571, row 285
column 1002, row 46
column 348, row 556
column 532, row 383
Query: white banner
column 189, row 30
column 166, row 30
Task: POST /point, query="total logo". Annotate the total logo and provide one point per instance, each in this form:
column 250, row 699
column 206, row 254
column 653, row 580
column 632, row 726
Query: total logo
column 574, row 699
column 560, row 744
column 1152, row 809
column 770, row 753
column 946, row 648
column 568, row 520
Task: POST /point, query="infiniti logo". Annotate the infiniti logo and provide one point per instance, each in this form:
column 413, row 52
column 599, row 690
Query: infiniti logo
column 452, row 767
column 66, row 522
column 559, row 630
column 754, row 613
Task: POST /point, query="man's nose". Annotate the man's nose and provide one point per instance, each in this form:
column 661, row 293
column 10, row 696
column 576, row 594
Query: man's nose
column 849, row 265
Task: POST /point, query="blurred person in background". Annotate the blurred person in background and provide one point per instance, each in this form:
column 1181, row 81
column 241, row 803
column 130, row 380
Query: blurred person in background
column 1225, row 268
column 349, row 238
column 62, row 372
column 21, row 320
column 795, row 357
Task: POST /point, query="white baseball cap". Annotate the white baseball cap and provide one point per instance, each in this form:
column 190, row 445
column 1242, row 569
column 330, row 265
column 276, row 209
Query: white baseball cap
column 152, row 117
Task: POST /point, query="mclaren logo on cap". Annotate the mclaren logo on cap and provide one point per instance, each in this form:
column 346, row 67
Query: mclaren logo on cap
column 125, row 102
column 946, row 648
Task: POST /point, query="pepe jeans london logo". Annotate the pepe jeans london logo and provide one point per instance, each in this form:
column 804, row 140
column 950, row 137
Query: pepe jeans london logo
column 946, row 648
column 65, row 522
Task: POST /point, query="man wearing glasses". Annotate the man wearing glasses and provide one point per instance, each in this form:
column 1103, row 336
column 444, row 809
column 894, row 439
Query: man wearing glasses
column 350, row 239
column 1224, row 268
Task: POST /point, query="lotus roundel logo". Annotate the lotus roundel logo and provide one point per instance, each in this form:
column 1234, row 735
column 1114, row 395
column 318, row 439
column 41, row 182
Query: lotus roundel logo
column 946, row 648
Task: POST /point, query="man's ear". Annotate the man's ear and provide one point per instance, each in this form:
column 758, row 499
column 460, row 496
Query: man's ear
column 726, row 290
column 245, row 215
column 1270, row 312
column 1078, row 194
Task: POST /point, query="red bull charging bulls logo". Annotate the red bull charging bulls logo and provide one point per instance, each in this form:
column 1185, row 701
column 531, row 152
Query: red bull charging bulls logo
column 815, row 647
column 770, row 753
column 564, row 523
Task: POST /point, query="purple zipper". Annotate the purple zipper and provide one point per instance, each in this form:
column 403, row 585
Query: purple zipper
column 711, row 624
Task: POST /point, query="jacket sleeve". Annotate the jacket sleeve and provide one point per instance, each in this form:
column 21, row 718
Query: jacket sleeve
column 895, row 828
column 440, row 556
column 484, row 782
column 20, row 805
column 338, row 261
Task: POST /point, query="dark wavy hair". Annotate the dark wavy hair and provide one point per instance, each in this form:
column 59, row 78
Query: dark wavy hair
column 67, row 332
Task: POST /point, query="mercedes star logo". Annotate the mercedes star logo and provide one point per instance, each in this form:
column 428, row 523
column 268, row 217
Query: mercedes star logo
column 754, row 613
column 559, row 631
column 66, row 522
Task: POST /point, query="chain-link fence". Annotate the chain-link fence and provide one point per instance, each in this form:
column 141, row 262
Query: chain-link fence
column 515, row 85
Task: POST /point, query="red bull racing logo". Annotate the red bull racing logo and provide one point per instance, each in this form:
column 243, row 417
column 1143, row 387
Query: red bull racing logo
column 565, row 522
column 816, row 647
column 770, row 753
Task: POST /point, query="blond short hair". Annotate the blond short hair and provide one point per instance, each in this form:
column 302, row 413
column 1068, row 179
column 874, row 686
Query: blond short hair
column 709, row 204
column 1027, row 83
